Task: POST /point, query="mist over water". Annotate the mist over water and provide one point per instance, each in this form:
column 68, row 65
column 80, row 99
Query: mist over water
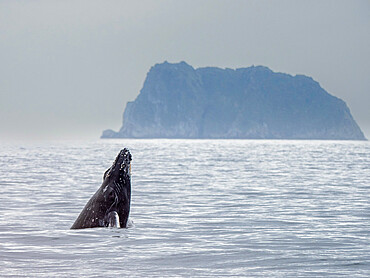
column 199, row 207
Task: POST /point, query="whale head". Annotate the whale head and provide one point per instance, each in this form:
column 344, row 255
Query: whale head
column 116, row 191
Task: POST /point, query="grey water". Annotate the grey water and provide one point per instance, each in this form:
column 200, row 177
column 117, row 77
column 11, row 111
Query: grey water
column 200, row 208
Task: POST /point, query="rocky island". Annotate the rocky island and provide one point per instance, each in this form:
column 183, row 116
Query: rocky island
column 178, row 101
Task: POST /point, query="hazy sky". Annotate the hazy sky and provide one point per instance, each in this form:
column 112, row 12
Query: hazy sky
column 67, row 68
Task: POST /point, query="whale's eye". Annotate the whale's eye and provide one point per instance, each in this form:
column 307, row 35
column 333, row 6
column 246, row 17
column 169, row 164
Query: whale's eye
column 109, row 194
column 112, row 195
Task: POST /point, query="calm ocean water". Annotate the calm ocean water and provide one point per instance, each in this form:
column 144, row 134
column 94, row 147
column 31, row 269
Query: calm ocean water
column 200, row 208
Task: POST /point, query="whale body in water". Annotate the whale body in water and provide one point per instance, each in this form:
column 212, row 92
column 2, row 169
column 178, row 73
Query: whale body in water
column 110, row 205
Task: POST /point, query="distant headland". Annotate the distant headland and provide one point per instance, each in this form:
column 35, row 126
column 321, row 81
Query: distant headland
column 178, row 101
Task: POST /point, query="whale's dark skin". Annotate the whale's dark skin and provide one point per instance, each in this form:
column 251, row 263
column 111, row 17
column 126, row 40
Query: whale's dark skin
column 110, row 205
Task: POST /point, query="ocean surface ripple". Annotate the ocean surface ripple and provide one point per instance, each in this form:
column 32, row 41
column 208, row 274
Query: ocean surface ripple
column 201, row 208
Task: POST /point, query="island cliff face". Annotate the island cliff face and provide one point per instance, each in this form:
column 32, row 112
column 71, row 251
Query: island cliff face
column 178, row 101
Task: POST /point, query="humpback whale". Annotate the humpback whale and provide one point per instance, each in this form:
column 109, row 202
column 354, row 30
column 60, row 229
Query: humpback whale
column 110, row 205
